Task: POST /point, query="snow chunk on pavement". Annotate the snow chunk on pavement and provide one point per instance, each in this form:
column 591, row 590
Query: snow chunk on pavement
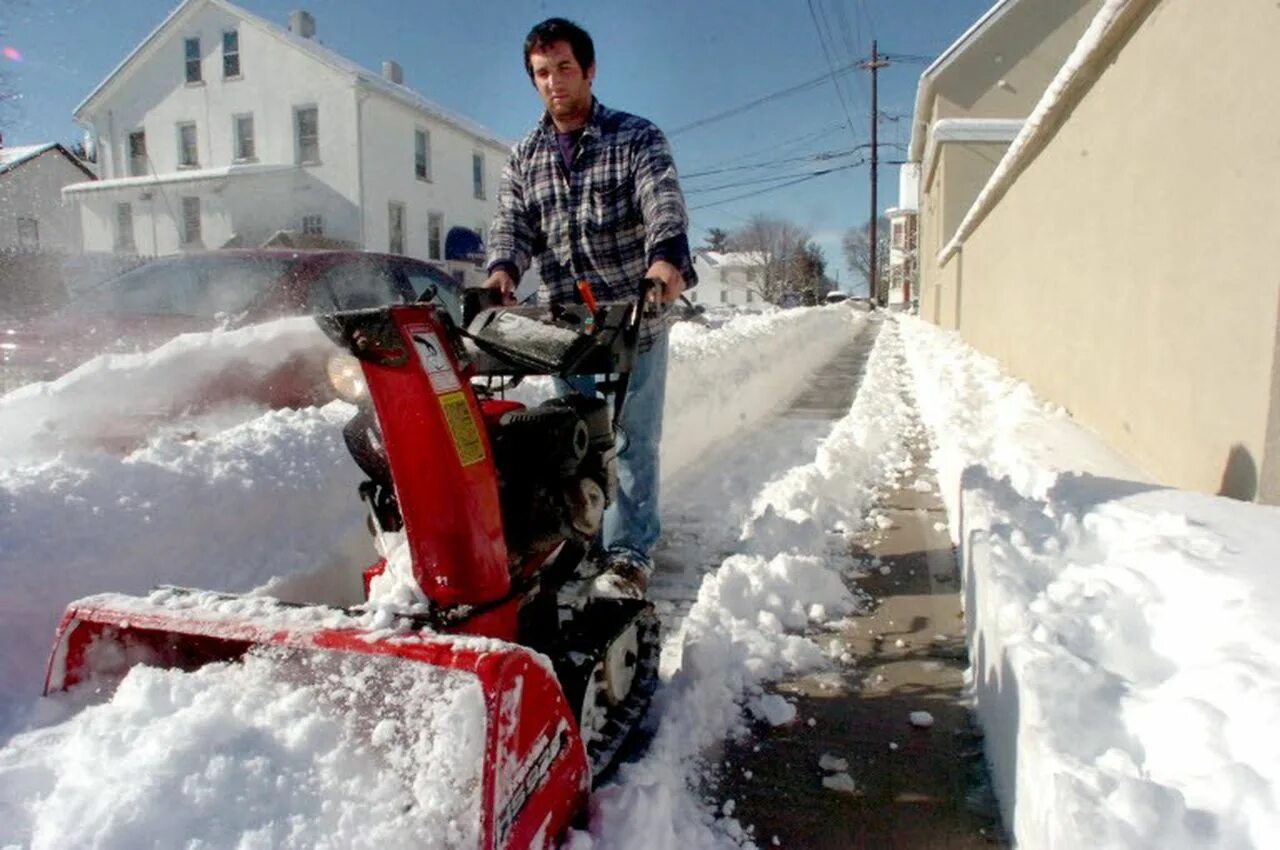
column 833, row 763
column 842, row 782
column 921, row 719
column 774, row 709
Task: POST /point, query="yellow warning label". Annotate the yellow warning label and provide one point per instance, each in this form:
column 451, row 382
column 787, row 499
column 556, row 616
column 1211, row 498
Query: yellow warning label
column 462, row 427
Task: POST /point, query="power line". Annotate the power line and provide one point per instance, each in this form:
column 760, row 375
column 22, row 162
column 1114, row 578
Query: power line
column 815, row 156
column 728, row 113
column 831, row 65
column 783, row 145
column 753, row 194
column 755, row 181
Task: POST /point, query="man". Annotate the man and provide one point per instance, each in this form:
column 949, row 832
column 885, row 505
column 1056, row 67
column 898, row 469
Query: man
column 592, row 194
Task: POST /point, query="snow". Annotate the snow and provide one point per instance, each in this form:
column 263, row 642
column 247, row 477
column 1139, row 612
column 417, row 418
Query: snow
column 1125, row 663
column 842, row 782
column 1126, row 653
column 921, row 719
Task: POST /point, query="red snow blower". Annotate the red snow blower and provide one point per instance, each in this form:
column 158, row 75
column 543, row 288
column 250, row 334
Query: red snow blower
column 490, row 508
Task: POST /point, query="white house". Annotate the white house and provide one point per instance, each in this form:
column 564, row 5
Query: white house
column 222, row 128
column 904, row 238
column 33, row 214
column 726, row 278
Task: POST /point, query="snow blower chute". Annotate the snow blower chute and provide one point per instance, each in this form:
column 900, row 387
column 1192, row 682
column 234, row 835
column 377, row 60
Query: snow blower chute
column 486, row 508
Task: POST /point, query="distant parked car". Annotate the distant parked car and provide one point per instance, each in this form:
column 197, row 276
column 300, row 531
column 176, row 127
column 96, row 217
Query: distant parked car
column 836, row 296
column 155, row 302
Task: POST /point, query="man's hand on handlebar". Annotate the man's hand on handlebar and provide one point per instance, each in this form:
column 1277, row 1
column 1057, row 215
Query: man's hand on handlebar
column 504, row 283
column 670, row 278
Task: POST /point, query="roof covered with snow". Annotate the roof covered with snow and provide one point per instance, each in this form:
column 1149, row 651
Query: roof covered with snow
column 944, row 59
column 359, row 74
column 737, row 259
column 11, row 158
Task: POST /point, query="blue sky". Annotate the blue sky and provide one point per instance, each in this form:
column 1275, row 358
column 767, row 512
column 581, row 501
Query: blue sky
column 673, row 61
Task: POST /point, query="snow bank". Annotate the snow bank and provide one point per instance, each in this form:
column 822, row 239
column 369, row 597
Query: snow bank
column 242, row 756
column 261, row 500
column 266, row 498
column 722, row 382
column 747, row 624
column 1126, row 657
column 117, row 394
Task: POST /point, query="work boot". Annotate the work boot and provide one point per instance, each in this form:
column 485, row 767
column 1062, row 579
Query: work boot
column 625, row 575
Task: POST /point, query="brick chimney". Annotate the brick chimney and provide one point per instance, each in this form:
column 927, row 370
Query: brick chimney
column 393, row 72
column 302, row 23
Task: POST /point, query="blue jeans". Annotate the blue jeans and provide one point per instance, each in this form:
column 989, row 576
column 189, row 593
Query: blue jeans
column 632, row 522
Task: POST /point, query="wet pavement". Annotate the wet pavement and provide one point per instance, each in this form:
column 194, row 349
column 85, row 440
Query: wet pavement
column 913, row 786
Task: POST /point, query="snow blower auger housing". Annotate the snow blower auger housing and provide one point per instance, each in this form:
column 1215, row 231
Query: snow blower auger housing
column 486, row 508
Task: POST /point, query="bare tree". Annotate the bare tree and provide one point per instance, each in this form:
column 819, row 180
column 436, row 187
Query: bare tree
column 775, row 244
column 857, row 252
column 807, row 274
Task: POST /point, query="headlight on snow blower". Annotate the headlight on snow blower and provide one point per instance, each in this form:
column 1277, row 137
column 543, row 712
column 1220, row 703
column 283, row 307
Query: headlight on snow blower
column 346, row 377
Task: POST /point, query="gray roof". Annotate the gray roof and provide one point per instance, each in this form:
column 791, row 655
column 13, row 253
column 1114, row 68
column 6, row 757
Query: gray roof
column 12, row 157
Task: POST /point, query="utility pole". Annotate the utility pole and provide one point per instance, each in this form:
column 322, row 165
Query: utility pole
column 874, row 66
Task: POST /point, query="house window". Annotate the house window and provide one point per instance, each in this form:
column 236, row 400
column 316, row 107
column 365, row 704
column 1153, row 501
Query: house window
column 193, row 60
column 306, row 121
column 422, row 154
column 138, row 153
column 693, row 297
column 244, row 137
column 124, row 227
column 395, row 227
column 477, row 175
column 313, row 225
column 230, row 54
column 435, row 235
column 191, row 221
column 751, row 296
column 724, row 296
column 188, row 156
column 28, row 234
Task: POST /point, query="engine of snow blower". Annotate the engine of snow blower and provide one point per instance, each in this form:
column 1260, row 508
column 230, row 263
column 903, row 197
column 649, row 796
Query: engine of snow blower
column 485, row 508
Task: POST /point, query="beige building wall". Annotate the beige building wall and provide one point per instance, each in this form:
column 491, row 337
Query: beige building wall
column 1005, row 70
column 962, row 169
column 1129, row 272
column 1001, row 72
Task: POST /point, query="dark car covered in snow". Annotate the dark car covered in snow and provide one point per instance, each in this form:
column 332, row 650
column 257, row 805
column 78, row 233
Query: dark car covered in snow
column 158, row 300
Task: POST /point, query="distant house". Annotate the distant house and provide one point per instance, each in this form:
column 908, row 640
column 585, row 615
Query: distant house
column 904, row 220
column 726, row 278
column 222, row 128
column 33, row 215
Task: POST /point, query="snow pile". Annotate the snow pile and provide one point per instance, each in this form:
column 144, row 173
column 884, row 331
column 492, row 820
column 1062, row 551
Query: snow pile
column 118, row 395
column 265, row 502
column 270, row 497
column 267, row 753
column 747, row 624
column 721, row 383
column 1126, row 657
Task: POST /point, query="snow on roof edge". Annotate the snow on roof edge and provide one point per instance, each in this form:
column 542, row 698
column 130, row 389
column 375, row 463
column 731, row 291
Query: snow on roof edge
column 944, row 58
column 1110, row 17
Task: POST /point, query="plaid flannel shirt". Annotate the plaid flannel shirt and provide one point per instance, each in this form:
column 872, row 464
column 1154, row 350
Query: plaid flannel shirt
column 603, row 220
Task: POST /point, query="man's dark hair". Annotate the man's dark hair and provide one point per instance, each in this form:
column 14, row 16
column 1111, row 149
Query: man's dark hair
column 552, row 30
